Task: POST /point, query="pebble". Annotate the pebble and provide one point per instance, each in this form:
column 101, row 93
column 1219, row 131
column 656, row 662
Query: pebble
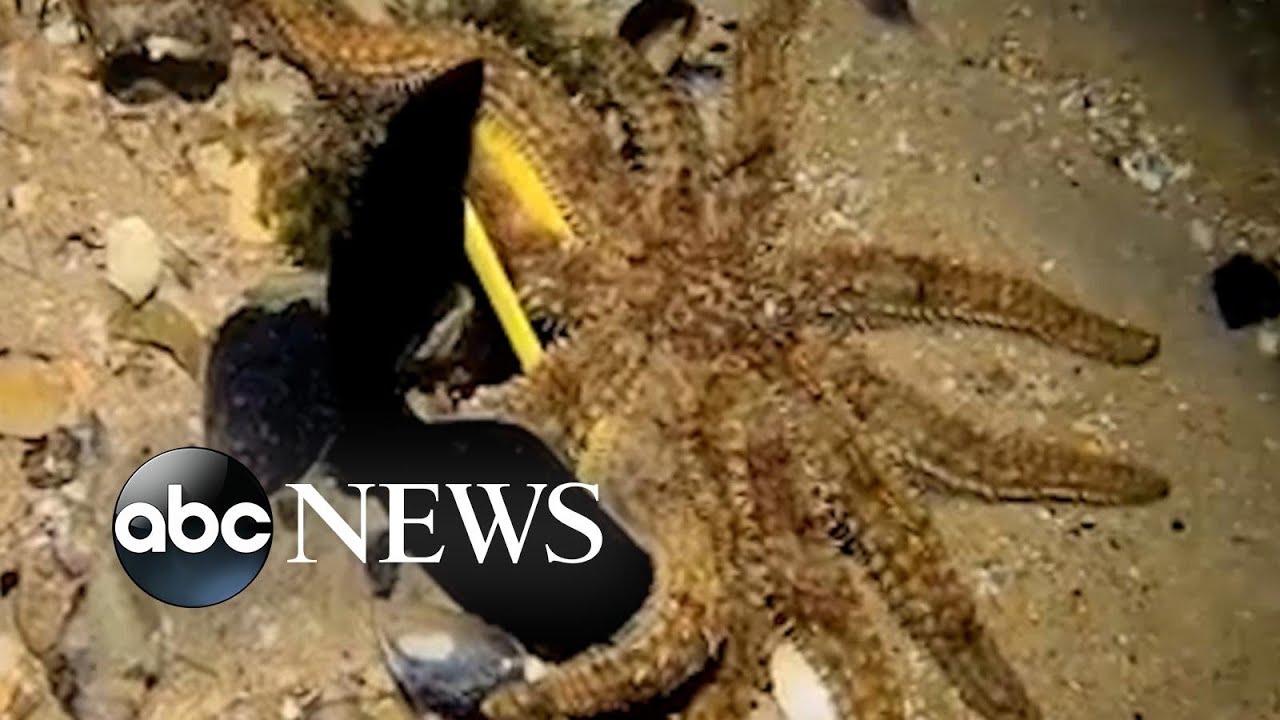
column 53, row 460
column 34, row 396
column 135, row 258
column 244, row 182
column 446, row 662
column 61, row 31
column 164, row 325
column 23, row 198
column 1247, row 291
column 1269, row 340
column 902, row 144
column 1152, row 170
column 212, row 162
column 1201, row 235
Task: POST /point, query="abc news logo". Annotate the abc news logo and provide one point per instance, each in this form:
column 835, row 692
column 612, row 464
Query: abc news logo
column 193, row 527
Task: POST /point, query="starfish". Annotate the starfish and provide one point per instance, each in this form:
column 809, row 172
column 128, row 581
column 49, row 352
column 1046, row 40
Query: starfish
column 717, row 392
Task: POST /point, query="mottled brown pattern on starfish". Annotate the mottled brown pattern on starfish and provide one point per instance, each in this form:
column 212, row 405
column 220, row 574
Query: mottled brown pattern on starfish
column 661, row 491
column 865, row 508
column 664, row 126
column 872, row 287
column 948, row 452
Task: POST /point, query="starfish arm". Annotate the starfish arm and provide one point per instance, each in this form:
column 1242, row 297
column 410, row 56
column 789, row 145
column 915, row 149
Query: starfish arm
column 722, row 698
column 950, row 453
column 802, row 593
column 763, row 97
column 753, row 161
column 651, row 481
column 737, row 685
column 904, row 556
column 838, row 640
column 862, row 509
column 666, row 643
column 831, row 628
column 664, row 127
column 568, row 285
column 843, row 285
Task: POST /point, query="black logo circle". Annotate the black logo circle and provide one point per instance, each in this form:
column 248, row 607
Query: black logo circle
column 192, row 527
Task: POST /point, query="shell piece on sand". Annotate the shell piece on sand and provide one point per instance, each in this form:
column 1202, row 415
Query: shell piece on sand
column 35, row 394
column 446, row 662
column 797, row 687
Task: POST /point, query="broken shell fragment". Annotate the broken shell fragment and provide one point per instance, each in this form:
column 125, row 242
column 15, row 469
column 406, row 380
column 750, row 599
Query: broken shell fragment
column 447, row 662
column 797, row 686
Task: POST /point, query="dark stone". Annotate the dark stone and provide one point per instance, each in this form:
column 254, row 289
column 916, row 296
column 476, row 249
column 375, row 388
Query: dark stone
column 1247, row 291
column 269, row 399
column 8, row 581
column 649, row 17
column 196, row 37
column 896, row 11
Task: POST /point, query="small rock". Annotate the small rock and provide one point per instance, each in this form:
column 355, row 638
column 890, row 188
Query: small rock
column 1201, row 235
column 34, row 396
column 1247, row 291
column 894, row 11
column 135, row 258
column 52, row 460
column 1149, row 170
column 1269, row 341
column 23, row 198
column 446, row 662
column 213, row 162
column 61, row 31
column 244, row 182
column 58, row 458
column 162, row 324
column 902, row 143
column 842, row 68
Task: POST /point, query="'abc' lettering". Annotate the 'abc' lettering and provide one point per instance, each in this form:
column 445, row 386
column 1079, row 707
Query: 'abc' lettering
column 175, row 518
